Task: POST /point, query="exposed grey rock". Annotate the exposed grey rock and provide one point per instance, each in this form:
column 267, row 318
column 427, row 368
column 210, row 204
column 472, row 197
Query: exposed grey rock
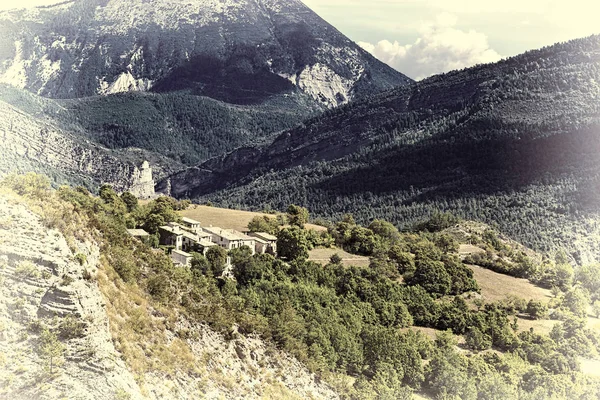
column 238, row 51
column 29, row 144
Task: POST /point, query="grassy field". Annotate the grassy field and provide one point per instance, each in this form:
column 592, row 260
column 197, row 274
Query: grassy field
column 322, row 257
column 228, row 219
column 495, row 286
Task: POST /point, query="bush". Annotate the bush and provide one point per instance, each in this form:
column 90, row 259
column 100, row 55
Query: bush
column 536, row 309
column 27, row 269
column 80, row 258
column 477, row 340
column 70, row 327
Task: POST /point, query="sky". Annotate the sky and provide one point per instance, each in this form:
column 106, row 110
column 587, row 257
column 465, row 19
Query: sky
column 424, row 37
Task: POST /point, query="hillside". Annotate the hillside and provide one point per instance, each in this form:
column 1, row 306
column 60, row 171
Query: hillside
column 513, row 143
column 138, row 326
column 178, row 82
column 34, row 140
column 241, row 52
column 70, row 327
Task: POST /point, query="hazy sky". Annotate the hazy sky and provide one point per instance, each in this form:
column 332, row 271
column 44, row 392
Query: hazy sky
column 423, row 37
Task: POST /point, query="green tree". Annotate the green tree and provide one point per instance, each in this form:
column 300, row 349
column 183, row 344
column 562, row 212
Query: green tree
column 576, row 300
column 477, row 340
column 438, row 222
column 217, row 258
column 297, row 216
column 589, row 277
column 335, row 259
column 536, row 309
column 385, row 230
column 240, row 255
column 263, row 224
column 131, row 202
column 361, row 241
column 200, row 264
column 432, row 276
column 446, row 243
column 292, row 243
column 405, row 262
column 51, row 350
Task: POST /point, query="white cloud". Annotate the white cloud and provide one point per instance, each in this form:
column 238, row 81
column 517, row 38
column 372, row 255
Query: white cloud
column 441, row 47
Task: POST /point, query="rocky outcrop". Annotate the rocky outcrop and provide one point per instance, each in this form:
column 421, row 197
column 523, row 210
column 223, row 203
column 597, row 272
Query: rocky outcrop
column 40, row 280
column 142, row 182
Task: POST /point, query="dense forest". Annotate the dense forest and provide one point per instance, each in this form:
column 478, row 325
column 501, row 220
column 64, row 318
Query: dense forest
column 348, row 321
column 184, row 127
column 513, row 144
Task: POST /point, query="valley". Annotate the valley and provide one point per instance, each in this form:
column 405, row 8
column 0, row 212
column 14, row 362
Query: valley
column 234, row 200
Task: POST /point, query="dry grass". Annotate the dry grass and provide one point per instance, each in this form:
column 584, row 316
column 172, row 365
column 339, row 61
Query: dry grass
column 229, row 219
column 495, row 286
column 322, row 257
column 466, row 249
column 140, row 337
column 541, row 326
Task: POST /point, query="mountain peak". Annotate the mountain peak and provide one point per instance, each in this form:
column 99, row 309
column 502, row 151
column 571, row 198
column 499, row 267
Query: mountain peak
column 241, row 51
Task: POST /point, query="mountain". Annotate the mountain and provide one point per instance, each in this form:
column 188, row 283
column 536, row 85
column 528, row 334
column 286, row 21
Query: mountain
column 513, row 143
column 177, row 82
column 241, row 52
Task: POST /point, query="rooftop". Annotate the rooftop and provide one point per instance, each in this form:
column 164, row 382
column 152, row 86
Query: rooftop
column 189, row 221
column 182, row 253
column 137, row 232
column 228, row 234
column 264, row 236
column 190, row 236
column 172, row 229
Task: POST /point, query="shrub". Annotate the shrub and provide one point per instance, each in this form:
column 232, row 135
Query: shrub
column 536, row 309
column 70, row 327
column 27, row 269
column 80, row 258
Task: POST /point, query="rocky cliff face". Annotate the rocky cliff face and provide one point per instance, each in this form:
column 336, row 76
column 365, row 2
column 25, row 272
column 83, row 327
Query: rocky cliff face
column 31, row 144
column 241, row 51
column 41, row 281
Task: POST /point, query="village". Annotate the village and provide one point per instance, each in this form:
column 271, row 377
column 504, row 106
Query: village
column 189, row 236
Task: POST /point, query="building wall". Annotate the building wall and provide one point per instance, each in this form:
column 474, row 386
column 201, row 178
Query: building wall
column 181, row 259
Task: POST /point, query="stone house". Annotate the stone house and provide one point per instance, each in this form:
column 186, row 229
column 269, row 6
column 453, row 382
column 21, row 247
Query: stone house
column 230, row 239
column 265, row 242
column 191, row 225
column 181, row 258
column 171, row 235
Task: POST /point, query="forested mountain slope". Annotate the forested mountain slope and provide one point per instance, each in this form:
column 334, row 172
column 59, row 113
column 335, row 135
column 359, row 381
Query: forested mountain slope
column 513, row 143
